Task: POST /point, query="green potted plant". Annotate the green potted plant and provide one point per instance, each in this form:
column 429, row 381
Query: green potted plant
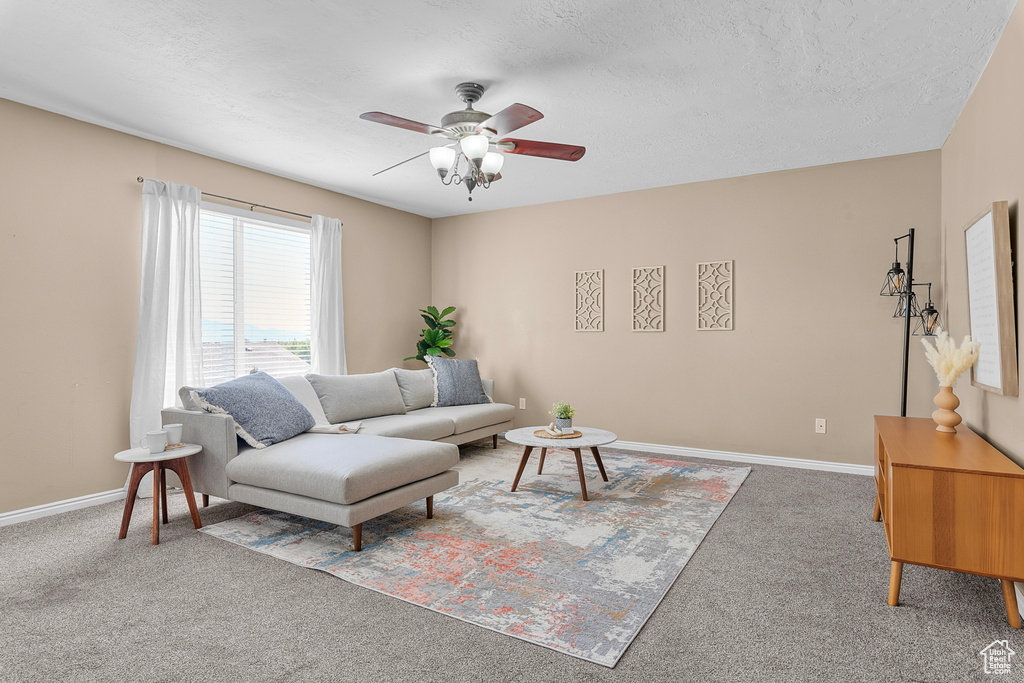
column 563, row 414
column 436, row 339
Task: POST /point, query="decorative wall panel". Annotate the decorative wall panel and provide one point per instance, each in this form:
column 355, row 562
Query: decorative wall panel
column 649, row 299
column 589, row 300
column 714, row 295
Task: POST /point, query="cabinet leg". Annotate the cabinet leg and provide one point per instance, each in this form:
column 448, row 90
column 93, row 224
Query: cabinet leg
column 1010, row 597
column 878, row 510
column 895, row 576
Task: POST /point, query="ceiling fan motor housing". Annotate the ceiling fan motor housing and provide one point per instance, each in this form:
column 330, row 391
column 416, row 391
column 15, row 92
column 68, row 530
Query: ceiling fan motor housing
column 463, row 122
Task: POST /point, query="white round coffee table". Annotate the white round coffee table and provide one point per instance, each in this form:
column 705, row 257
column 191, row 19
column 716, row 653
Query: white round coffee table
column 158, row 463
column 591, row 438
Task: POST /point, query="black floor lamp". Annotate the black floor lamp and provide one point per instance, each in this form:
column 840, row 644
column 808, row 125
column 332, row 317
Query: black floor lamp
column 899, row 282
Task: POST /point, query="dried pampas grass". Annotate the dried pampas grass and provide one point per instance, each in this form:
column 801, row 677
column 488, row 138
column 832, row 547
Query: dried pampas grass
column 948, row 361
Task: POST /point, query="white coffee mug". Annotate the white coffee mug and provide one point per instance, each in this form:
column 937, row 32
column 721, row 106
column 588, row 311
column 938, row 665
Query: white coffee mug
column 173, row 433
column 155, row 441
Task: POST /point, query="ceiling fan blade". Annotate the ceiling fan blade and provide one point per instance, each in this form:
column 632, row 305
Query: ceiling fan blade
column 548, row 150
column 512, row 117
column 399, row 122
column 401, row 162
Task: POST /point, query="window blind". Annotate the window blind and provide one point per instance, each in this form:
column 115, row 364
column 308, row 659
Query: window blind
column 254, row 278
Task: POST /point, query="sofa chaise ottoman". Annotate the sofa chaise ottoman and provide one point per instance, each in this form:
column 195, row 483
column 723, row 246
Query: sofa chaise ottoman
column 404, row 449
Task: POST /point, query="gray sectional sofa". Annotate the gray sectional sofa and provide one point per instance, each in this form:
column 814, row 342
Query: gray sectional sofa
column 403, row 451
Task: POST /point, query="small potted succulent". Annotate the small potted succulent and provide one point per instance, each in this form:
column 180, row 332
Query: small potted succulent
column 563, row 413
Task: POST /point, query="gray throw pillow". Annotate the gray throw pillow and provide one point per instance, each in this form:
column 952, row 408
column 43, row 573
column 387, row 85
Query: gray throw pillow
column 185, row 394
column 264, row 411
column 457, row 381
column 417, row 387
column 356, row 397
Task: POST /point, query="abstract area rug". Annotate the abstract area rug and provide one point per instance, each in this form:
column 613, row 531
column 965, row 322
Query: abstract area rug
column 541, row 564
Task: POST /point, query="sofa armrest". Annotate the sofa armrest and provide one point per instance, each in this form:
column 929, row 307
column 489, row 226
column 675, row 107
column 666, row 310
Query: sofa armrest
column 216, row 434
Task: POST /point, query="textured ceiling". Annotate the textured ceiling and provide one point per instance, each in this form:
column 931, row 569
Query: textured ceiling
column 660, row 93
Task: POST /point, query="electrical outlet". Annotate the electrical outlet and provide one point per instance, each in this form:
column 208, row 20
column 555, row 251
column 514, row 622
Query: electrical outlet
column 819, row 425
column 522, row 404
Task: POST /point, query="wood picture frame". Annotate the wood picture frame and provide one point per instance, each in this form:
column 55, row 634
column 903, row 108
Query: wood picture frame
column 990, row 300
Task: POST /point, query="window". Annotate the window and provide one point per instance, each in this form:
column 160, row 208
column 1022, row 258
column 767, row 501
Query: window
column 254, row 279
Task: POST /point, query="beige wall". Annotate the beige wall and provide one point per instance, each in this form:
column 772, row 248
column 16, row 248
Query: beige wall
column 69, row 274
column 812, row 338
column 983, row 162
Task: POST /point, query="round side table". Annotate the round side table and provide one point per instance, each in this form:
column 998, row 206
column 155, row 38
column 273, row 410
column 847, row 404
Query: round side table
column 158, row 463
column 590, row 438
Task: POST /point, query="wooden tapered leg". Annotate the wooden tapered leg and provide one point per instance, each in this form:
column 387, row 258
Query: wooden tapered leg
column 430, row 507
column 206, row 500
column 597, row 459
column 357, row 537
column 543, row 454
column 579, row 467
column 1010, row 597
column 139, row 470
column 522, row 465
column 156, row 503
column 895, row 576
column 179, row 466
column 878, row 510
column 163, row 492
column 494, row 440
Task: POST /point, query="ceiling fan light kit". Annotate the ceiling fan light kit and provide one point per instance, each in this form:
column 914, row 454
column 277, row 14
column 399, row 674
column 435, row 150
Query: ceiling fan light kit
column 475, row 132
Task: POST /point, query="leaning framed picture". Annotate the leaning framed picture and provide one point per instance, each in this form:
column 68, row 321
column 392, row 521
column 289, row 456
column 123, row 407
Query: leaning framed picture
column 990, row 300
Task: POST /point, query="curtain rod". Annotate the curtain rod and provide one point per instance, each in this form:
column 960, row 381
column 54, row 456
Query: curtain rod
column 251, row 205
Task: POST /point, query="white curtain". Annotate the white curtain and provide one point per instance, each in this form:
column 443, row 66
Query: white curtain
column 327, row 315
column 169, row 349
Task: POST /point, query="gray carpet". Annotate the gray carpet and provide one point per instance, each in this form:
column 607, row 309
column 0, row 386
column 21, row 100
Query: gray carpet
column 789, row 585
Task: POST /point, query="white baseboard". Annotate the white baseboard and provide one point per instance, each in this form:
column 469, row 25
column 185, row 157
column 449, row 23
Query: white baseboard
column 777, row 460
column 25, row 514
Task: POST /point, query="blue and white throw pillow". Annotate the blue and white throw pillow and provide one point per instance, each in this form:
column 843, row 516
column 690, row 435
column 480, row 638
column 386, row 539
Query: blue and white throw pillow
column 456, row 382
column 264, row 411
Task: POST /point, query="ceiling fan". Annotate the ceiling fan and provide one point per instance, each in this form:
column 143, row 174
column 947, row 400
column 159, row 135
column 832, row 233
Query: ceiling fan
column 474, row 133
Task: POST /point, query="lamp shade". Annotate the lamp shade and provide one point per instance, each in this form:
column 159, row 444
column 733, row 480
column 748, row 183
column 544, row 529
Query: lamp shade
column 894, row 281
column 442, row 158
column 491, row 165
column 475, row 147
column 929, row 321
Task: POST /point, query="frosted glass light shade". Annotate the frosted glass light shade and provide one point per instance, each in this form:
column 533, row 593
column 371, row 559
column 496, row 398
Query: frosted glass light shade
column 475, row 147
column 442, row 158
column 491, row 165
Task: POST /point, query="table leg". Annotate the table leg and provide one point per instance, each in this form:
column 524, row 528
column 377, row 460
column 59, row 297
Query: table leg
column 579, row 467
column 179, row 466
column 163, row 492
column 138, row 471
column 895, row 577
column 878, row 510
column 1010, row 598
column 522, row 465
column 156, row 503
column 597, row 459
column 543, row 454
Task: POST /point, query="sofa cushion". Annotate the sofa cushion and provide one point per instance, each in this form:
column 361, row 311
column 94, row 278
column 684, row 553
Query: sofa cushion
column 417, row 387
column 410, row 426
column 354, row 397
column 468, row 418
column 185, row 395
column 303, row 390
column 264, row 411
column 456, row 381
column 341, row 469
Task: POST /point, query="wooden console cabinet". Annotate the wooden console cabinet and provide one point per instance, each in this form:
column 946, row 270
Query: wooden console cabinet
column 949, row 501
